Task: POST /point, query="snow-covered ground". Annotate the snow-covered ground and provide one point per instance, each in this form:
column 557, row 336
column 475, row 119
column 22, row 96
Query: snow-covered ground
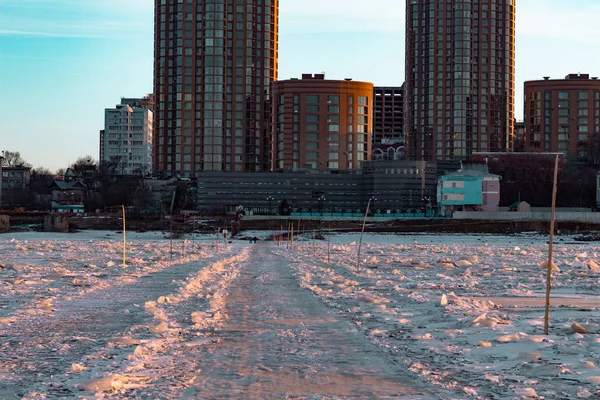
column 463, row 314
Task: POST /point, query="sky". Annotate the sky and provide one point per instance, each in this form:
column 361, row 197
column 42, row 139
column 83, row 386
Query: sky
column 62, row 62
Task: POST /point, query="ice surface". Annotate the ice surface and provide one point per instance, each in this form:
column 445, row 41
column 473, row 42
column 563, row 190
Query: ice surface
column 462, row 312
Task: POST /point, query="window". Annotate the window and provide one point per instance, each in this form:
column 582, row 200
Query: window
column 363, row 100
column 312, row 99
column 454, row 184
column 454, row 197
column 333, row 99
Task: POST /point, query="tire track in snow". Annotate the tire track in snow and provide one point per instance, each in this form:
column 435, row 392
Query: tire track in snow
column 281, row 342
column 47, row 353
column 183, row 321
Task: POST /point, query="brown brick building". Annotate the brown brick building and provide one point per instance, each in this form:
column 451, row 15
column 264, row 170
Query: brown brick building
column 213, row 67
column 319, row 123
column 563, row 115
column 388, row 114
column 460, row 77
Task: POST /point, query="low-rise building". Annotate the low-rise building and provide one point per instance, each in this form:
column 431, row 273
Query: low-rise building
column 15, row 182
column 68, row 196
column 391, row 187
column 471, row 188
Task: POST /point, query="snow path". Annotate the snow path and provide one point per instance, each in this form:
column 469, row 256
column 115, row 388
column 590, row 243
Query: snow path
column 282, row 342
column 83, row 334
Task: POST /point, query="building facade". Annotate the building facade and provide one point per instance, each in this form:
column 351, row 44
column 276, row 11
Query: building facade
column 459, row 89
column 397, row 186
column 388, row 114
column 127, row 139
column 563, row 115
column 15, row 183
column 321, row 124
column 214, row 62
column 519, row 135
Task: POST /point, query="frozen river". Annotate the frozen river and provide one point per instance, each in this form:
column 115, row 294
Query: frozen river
column 423, row 317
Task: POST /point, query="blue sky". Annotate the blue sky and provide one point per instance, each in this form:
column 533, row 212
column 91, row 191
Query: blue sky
column 62, row 62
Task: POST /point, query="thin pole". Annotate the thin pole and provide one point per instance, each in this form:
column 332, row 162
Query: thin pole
column 171, row 237
column 329, row 245
column 124, row 238
column 314, row 240
column 298, row 230
column 184, row 229
column 550, row 246
column 292, row 242
column 361, row 233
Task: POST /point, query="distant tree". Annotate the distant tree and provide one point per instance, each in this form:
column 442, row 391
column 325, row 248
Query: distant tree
column 41, row 179
column 14, row 159
column 60, row 173
column 84, row 163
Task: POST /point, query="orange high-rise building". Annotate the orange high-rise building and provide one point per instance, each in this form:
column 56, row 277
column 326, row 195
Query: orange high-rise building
column 321, row 124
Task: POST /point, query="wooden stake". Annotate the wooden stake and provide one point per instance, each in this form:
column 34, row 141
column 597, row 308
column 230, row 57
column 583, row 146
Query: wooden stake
column 124, row 238
column 171, row 238
column 183, row 242
column 362, row 232
column 550, row 246
column 329, row 245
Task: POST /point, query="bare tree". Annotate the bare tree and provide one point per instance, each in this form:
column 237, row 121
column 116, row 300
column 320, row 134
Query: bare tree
column 14, row 159
column 84, row 163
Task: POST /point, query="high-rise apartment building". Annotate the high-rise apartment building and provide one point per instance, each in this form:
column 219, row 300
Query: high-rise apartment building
column 127, row 139
column 388, row 114
column 322, row 124
column 214, row 62
column 563, row 115
column 459, row 90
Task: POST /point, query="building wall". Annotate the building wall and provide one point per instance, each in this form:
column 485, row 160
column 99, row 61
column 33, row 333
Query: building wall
column 460, row 190
column 320, row 123
column 213, row 66
column 491, row 193
column 127, row 138
column 14, row 181
column 388, row 114
column 397, row 186
column 459, row 89
column 562, row 115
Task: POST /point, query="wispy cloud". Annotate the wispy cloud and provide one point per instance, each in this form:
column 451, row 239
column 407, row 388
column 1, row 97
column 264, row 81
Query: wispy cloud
column 5, row 32
column 70, row 18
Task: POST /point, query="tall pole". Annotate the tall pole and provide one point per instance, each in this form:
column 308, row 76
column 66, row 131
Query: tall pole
column 329, row 245
column 550, row 246
column 124, row 237
column 361, row 234
column 171, row 237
